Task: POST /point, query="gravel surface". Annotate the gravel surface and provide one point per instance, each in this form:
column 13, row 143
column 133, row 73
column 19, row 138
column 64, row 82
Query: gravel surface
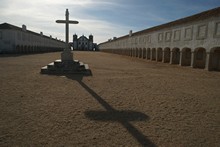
column 125, row 102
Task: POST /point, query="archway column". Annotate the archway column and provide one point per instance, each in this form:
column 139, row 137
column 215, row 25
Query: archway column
column 181, row 58
column 163, row 56
column 207, row 62
column 192, row 59
column 171, row 57
column 151, row 54
column 137, row 53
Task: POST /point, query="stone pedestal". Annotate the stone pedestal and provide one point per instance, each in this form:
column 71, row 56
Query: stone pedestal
column 59, row 67
column 66, row 55
column 66, row 65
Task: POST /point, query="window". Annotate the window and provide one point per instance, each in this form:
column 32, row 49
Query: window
column 177, row 34
column 160, row 37
column 217, row 29
column 202, row 31
column 168, row 36
column 188, row 33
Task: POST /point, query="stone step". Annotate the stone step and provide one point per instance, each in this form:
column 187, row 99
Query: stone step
column 50, row 66
column 58, row 67
column 86, row 66
column 44, row 70
column 81, row 64
column 58, row 63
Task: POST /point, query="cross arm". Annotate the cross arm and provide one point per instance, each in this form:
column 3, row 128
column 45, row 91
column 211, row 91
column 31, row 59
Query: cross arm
column 70, row 21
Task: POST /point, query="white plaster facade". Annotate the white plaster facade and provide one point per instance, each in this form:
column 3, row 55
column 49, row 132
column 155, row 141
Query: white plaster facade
column 20, row 40
column 191, row 41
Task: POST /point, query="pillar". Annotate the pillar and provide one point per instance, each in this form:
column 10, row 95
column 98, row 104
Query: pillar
column 163, row 56
column 156, row 55
column 151, row 54
column 171, row 57
column 207, row 63
column 181, row 59
column 192, row 59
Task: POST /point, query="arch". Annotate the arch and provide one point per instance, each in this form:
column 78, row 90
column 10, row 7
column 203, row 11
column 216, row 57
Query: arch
column 148, row 54
column 186, row 57
column 153, row 54
column 144, row 53
column 159, row 54
column 134, row 52
column 130, row 52
column 25, row 49
column 28, row 49
column 214, row 61
column 199, row 57
column 17, row 49
column 32, row 49
column 166, row 55
column 140, row 53
column 175, row 56
column 123, row 51
column 39, row 49
column 22, row 49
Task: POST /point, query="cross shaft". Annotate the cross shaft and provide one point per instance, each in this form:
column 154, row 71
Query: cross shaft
column 67, row 22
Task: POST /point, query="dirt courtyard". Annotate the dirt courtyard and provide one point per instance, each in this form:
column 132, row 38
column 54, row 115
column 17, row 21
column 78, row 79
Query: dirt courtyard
column 125, row 102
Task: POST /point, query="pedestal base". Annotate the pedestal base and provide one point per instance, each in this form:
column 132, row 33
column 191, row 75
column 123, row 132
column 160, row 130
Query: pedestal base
column 67, row 55
column 59, row 67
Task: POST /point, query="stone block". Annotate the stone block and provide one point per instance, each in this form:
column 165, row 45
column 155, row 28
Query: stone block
column 66, row 55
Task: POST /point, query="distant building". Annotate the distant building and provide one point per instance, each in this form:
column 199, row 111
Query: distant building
column 83, row 43
column 14, row 39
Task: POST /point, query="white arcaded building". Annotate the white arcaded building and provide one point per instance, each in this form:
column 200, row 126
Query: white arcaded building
column 14, row 39
column 192, row 41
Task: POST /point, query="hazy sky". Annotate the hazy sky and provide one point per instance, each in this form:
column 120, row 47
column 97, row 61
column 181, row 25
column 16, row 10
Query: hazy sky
column 102, row 18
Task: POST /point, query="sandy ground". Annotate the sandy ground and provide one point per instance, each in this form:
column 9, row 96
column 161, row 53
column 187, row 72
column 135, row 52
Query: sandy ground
column 126, row 102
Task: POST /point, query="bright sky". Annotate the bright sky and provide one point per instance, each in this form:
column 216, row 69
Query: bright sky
column 102, row 18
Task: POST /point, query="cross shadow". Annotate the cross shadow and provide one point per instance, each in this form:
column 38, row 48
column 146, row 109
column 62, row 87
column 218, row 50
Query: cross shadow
column 111, row 114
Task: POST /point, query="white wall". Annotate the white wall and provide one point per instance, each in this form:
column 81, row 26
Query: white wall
column 12, row 38
column 194, row 34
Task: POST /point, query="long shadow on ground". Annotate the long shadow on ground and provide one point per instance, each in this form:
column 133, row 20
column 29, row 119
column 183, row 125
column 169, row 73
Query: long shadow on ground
column 111, row 114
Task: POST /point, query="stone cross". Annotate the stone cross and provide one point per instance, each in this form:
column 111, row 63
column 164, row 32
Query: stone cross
column 67, row 52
